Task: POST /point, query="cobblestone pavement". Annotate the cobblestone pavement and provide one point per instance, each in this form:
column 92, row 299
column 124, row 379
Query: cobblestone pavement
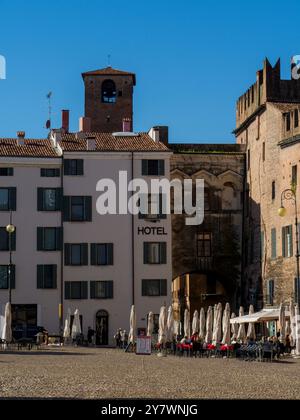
column 104, row 373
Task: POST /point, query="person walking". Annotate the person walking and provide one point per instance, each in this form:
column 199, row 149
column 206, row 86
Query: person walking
column 90, row 335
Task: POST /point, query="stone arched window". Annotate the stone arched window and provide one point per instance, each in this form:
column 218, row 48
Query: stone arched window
column 109, row 93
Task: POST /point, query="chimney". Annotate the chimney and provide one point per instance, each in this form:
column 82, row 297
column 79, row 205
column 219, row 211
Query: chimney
column 160, row 133
column 127, row 125
column 65, row 117
column 154, row 134
column 91, row 143
column 21, row 138
column 85, row 124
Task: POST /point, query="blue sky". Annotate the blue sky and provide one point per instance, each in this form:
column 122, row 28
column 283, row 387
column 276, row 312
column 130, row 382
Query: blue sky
column 192, row 59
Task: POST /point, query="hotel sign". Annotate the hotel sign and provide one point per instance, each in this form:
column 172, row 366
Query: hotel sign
column 151, row 230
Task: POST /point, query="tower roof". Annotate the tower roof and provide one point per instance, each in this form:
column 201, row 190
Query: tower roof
column 109, row 71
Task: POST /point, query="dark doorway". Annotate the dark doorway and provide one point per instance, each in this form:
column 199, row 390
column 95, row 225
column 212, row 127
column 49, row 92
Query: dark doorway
column 102, row 328
column 24, row 321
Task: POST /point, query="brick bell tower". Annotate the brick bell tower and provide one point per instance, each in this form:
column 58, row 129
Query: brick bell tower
column 109, row 99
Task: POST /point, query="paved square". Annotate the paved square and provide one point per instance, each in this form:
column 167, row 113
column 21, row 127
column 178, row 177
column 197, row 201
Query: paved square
column 103, row 373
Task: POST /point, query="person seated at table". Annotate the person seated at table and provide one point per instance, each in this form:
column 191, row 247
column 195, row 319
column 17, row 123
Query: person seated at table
column 185, row 340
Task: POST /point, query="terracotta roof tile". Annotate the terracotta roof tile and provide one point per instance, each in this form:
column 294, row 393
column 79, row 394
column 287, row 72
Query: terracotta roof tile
column 109, row 71
column 107, row 142
column 31, row 148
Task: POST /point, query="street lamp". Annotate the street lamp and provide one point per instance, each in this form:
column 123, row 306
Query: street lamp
column 290, row 194
column 10, row 228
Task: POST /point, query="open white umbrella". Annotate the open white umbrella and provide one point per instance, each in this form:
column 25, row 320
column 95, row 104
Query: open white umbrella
column 226, row 325
column 282, row 323
column 76, row 327
column 132, row 322
column 202, row 324
column 195, row 323
column 234, row 329
column 6, row 331
column 241, row 332
column 251, row 326
column 209, row 325
column 150, row 325
column 162, row 321
column 170, row 325
column 187, row 324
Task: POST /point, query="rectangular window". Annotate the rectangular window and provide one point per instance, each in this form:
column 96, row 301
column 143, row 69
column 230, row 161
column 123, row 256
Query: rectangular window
column 73, row 167
column 4, row 240
column 49, row 238
column 49, row 199
column 264, row 151
column 273, row 190
column 76, row 289
column 287, row 241
column 8, row 199
column 102, row 254
column 47, row 276
column 155, row 252
column 6, row 171
column 155, row 287
column 152, row 202
column 296, row 289
column 153, row 167
column 101, row 289
column 77, row 209
column 288, row 121
column 273, row 244
column 294, row 175
column 296, row 118
column 270, row 292
column 204, row 248
column 4, row 276
column 76, row 254
column 50, row 172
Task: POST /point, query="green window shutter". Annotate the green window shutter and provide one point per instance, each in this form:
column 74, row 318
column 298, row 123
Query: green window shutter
column 93, row 254
column 161, row 167
column 283, row 242
column 67, row 254
column 40, row 239
column 59, row 239
column 54, row 276
column 40, row 276
column 290, row 240
column 93, row 289
column 146, row 252
column 12, row 276
column 84, row 254
column 110, row 254
column 79, row 166
column 58, row 199
column 163, row 252
column 67, row 290
column 12, row 194
column 66, row 167
column 66, row 209
column 273, row 244
column 40, row 199
column 84, row 289
column 88, row 209
column 110, row 289
column 144, row 167
column 144, row 287
column 163, row 287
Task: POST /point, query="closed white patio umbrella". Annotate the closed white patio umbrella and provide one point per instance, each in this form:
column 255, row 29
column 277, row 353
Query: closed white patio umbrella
column 282, row 323
column 132, row 325
column 241, row 331
column 67, row 331
column 209, row 325
column 226, row 325
column 195, row 323
column 251, row 326
column 170, row 325
column 297, row 331
column 202, row 324
column 176, row 326
column 76, row 327
column 7, row 331
column 187, row 324
column 234, row 329
column 150, row 325
column 162, row 332
column 217, row 333
column 215, row 314
column 292, row 323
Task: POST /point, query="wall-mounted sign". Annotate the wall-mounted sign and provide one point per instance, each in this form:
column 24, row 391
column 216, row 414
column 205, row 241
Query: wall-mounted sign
column 151, row 230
